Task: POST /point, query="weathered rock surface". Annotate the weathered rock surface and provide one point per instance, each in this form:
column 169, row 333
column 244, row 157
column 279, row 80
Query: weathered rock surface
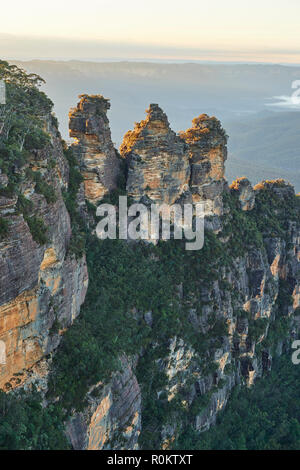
column 112, row 419
column 245, row 192
column 170, row 168
column 42, row 287
column 256, row 280
column 207, row 143
column 158, row 164
column 95, row 151
column 166, row 168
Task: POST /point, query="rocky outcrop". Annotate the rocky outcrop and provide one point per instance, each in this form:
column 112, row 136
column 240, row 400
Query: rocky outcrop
column 262, row 295
column 42, row 286
column 207, row 143
column 95, row 151
column 170, row 168
column 157, row 159
column 167, row 168
column 112, row 419
column 245, row 193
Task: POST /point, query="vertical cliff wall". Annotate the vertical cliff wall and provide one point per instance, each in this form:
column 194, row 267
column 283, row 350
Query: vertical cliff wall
column 42, row 285
column 113, row 417
column 207, row 144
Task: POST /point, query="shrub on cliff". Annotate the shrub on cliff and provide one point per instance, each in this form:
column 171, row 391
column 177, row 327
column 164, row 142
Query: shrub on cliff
column 37, row 229
column 3, row 228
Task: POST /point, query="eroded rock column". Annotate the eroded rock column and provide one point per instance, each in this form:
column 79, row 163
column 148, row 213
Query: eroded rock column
column 158, row 161
column 100, row 165
column 207, row 141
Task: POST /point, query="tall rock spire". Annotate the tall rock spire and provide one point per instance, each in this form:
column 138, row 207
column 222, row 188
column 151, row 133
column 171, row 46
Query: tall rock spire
column 100, row 166
column 207, row 143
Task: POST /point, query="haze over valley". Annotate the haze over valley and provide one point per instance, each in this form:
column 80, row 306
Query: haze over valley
column 263, row 135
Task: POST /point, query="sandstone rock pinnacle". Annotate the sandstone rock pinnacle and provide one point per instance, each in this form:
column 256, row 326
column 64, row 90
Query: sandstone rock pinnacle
column 207, row 143
column 158, row 161
column 95, row 151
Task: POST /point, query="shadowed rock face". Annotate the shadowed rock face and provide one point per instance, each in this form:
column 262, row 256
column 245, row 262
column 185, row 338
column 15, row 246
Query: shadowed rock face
column 98, row 159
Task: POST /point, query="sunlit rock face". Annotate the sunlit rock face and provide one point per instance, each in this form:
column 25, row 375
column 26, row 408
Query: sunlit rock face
column 158, row 161
column 95, row 151
column 41, row 285
column 166, row 167
column 207, row 144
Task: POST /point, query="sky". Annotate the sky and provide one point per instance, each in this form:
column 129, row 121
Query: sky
column 222, row 30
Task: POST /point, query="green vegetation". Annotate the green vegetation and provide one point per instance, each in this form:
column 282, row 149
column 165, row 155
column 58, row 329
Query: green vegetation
column 22, row 132
column 36, row 225
column 37, row 229
column 79, row 229
column 265, row 417
column 123, row 280
column 241, row 227
column 130, row 283
column 3, row 227
column 41, row 187
column 257, row 328
column 26, row 425
column 21, row 120
column 272, row 212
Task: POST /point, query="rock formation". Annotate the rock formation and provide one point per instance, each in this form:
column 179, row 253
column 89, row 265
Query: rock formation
column 207, row 143
column 111, row 420
column 244, row 287
column 158, row 162
column 42, row 287
column 245, row 193
column 167, row 168
column 95, row 151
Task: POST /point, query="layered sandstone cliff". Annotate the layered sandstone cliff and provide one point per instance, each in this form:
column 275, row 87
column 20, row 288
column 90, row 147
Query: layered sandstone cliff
column 252, row 294
column 112, row 419
column 42, row 286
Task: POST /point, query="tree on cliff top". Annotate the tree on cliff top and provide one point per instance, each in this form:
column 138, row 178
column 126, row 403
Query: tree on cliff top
column 22, row 117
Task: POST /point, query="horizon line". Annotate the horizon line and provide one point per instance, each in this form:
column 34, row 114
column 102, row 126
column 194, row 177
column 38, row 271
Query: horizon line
column 151, row 60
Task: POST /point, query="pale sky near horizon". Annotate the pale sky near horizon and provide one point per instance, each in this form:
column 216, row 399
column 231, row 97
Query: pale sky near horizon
column 262, row 30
